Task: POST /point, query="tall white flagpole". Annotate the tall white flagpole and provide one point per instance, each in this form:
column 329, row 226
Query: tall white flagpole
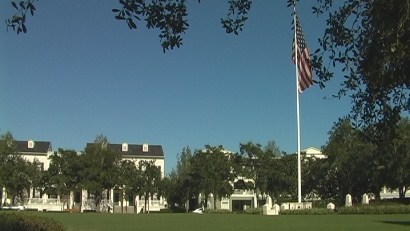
column 297, row 107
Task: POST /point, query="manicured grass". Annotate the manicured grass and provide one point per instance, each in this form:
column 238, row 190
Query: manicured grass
column 228, row 222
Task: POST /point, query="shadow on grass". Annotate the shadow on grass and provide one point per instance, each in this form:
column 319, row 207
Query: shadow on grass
column 405, row 223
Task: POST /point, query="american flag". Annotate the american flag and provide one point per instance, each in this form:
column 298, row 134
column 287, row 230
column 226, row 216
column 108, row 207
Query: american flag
column 305, row 75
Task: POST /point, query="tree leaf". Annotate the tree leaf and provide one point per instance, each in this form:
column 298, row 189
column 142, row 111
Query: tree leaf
column 14, row 5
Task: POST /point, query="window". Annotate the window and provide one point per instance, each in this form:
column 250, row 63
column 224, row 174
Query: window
column 124, row 147
column 30, row 144
column 91, row 196
column 116, row 198
column 131, row 200
column 77, row 197
column 36, row 193
column 145, row 147
column 40, row 166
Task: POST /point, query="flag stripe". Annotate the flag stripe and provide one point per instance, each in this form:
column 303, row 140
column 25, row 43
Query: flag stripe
column 305, row 75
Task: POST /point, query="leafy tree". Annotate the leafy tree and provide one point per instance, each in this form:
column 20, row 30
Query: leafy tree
column 181, row 185
column 64, row 174
column 212, row 170
column 167, row 16
column 349, row 157
column 397, row 169
column 130, row 178
column 17, row 174
column 150, row 180
column 19, row 177
column 259, row 164
column 100, row 168
column 368, row 42
column 282, row 178
column 319, row 179
column 6, row 148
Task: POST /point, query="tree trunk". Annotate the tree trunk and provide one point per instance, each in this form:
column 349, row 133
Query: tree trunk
column 215, row 201
column 135, row 204
column 402, row 192
column 206, row 201
column 122, row 200
column 148, row 202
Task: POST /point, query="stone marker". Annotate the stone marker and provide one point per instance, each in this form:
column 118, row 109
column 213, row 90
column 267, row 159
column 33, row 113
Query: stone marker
column 365, row 199
column 348, row 202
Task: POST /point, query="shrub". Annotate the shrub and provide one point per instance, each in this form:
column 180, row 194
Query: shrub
column 375, row 209
column 11, row 221
column 217, row 211
column 254, row 211
column 313, row 211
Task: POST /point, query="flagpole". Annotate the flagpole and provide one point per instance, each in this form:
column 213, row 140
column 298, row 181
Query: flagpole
column 297, row 107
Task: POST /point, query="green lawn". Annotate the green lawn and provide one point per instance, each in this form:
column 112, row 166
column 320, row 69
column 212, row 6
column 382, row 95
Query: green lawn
column 234, row 222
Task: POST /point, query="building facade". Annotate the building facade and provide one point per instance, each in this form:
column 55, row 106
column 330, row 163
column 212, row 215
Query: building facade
column 80, row 200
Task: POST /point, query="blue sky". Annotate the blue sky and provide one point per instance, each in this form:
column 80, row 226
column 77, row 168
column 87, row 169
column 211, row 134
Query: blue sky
column 79, row 73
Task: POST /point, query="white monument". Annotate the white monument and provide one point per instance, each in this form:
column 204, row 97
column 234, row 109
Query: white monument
column 365, row 199
column 331, row 206
column 268, row 209
column 348, row 202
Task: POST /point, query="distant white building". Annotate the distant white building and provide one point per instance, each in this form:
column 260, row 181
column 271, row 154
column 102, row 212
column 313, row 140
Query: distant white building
column 313, row 152
column 116, row 198
column 40, row 152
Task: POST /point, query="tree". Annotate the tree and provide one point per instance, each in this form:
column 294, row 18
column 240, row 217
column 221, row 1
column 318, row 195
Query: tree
column 368, row 41
column 64, row 174
column 398, row 165
column 319, row 179
column 150, row 180
column 282, row 178
column 259, row 164
column 212, row 170
column 181, row 185
column 17, row 174
column 6, row 148
column 100, row 168
column 350, row 160
column 167, row 16
column 131, row 179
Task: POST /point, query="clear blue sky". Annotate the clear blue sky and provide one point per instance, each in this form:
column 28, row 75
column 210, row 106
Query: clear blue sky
column 79, row 73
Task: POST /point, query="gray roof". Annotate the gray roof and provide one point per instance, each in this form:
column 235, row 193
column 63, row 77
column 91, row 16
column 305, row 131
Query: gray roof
column 39, row 147
column 135, row 150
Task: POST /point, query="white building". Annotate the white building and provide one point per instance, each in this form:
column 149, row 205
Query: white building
column 40, row 151
column 35, row 151
column 116, row 198
column 313, row 152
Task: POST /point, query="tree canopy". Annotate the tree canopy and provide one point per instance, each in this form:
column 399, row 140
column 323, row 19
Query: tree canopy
column 368, row 41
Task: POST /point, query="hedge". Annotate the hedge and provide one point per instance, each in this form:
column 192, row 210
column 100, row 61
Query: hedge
column 17, row 221
column 375, row 209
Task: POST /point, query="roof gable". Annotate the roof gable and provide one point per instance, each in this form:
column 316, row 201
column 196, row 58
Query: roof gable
column 312, row 150
column 136, row 150
column 38, row 147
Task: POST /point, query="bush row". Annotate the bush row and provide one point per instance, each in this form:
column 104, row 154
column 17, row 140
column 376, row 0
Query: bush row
column 217, row 211
column 313, row 211
column 17, row 221
column 254, row 211
column 375, row 209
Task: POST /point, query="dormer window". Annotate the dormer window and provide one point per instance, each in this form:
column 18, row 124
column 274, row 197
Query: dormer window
column 30, row 144
column 124, row 147
column 145, row 148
